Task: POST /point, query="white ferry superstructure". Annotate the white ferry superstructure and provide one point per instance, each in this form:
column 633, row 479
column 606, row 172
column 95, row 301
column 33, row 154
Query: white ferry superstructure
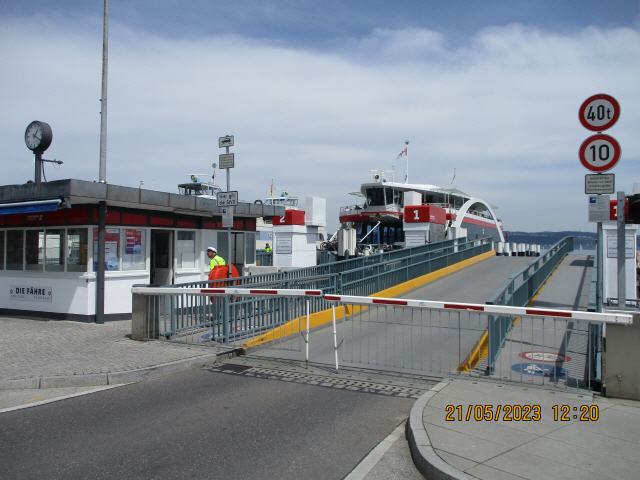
column 382, row 210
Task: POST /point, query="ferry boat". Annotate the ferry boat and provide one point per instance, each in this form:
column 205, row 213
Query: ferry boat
column 378, row 218
column 199, row 187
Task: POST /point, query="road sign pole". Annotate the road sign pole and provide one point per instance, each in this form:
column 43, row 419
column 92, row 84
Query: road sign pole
column 600, row 268
column 229, row 227
column 622, row 253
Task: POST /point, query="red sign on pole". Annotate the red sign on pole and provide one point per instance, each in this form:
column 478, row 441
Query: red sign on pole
column 599, row 112
column 599, row 153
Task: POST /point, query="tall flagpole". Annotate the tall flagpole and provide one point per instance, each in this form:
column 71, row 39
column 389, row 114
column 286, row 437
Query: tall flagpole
column 103, row 96
column 406, row 154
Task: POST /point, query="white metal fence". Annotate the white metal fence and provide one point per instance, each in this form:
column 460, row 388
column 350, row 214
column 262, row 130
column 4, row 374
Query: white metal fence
column 543, row 346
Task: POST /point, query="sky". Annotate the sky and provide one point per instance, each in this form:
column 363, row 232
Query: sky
column 319, row 94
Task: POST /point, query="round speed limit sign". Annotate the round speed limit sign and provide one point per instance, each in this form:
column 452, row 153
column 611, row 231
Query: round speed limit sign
column 599, row 112
column 599, row 153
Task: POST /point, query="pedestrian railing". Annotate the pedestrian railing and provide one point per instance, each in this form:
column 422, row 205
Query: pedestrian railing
column 518, row 291
column 398, row 335
column 181, row 314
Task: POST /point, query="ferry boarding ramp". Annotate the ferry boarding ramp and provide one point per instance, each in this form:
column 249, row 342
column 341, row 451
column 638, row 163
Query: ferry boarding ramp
column 406, row 335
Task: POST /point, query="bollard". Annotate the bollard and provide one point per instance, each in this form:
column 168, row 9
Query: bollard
column 506, row 249
column 499, row 249
column 514, row 249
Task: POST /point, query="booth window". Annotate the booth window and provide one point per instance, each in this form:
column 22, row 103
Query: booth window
column 134, row 255
column 77, row 250
column 1, row 250
column 34, row 249
column 186, row 249
column 15, row 249
column 250, row 248
column 54, row 250
column 111, row 249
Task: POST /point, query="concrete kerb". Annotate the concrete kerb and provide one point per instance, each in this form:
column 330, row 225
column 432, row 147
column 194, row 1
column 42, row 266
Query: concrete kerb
column 427, row 461
column 114, row 378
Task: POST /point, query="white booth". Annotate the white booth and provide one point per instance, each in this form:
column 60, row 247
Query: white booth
column 49, row 242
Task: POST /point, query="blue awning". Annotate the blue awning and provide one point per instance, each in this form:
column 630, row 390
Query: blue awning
column 36, row 206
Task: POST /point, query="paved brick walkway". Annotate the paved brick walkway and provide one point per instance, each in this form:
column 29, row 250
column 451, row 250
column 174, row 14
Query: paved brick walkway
column 32, row 348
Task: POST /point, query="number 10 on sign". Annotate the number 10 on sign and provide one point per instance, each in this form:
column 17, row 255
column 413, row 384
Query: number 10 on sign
column 599, row 153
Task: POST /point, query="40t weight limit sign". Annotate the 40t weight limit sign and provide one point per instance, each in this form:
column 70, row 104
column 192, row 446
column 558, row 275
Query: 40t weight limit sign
column 599, row 153
column 599, row 112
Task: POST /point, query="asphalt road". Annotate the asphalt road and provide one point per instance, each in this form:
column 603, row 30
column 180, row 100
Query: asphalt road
column 199, row 424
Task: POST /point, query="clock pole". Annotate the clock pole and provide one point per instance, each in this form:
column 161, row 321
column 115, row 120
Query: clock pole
column 38, row 172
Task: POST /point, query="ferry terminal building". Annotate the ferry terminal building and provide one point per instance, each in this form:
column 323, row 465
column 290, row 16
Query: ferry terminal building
column 49, row 236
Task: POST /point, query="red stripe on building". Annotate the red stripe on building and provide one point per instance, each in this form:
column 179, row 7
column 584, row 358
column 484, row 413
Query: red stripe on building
column 464, row 307
column 548, row 313
column 390, row 302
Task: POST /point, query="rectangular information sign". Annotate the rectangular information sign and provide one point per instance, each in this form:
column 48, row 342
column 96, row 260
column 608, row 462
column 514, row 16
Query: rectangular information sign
column 227, row 199
column 599, row 183
column 612, row 246
column 226, row 141
column 599, row 208
column 226, row 160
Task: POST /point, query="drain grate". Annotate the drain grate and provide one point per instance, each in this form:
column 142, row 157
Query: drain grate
column 321, row 380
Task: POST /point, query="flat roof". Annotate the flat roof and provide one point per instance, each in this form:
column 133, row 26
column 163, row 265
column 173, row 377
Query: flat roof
column 82, row 192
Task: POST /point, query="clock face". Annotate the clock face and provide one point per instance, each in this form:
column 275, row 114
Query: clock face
column 37, row 136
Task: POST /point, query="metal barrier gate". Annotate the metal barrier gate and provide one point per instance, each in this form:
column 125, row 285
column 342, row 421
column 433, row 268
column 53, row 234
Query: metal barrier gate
column 400, row 335
column 180, row 315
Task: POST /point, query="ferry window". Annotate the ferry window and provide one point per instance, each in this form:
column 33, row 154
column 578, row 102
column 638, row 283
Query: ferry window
column 397, row 197
column 54, row 250
column 34, row 249
column 134, row 255
column 186, row 249
column 77, row 250
column 111, row 249
column 1, row 250
column 375, row 196
column 15, row 249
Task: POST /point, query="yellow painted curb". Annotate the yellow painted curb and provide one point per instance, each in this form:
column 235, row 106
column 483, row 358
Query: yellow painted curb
column 481, row 349
column 323, row 317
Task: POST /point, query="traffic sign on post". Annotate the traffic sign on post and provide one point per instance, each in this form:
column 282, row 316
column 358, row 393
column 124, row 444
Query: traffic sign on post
column 599, row 112
column 226, row 160
column 227, row 199
column 599, row 183
column 599, row 153
column 226, row 141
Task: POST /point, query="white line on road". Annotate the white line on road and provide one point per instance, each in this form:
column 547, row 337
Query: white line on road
column 371, row 460
column 62, row 397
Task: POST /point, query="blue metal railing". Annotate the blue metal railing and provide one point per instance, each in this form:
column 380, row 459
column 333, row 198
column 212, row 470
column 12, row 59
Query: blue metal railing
column 518, row 291
column 236, row 317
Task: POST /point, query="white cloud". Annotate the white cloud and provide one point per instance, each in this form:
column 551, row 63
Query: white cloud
column 501, row 109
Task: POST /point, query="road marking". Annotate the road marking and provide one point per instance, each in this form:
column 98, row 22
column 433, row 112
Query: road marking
column 62, row 397
column 375, row 455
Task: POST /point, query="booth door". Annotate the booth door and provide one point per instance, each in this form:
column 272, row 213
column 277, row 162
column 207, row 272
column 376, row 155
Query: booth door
column 161, row 257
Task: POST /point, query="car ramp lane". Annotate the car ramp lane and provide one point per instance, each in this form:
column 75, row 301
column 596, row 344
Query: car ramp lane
column 407, row 340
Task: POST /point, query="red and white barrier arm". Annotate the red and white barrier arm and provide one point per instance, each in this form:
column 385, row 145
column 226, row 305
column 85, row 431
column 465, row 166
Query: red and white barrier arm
column 283, row 292
column 607, row 317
